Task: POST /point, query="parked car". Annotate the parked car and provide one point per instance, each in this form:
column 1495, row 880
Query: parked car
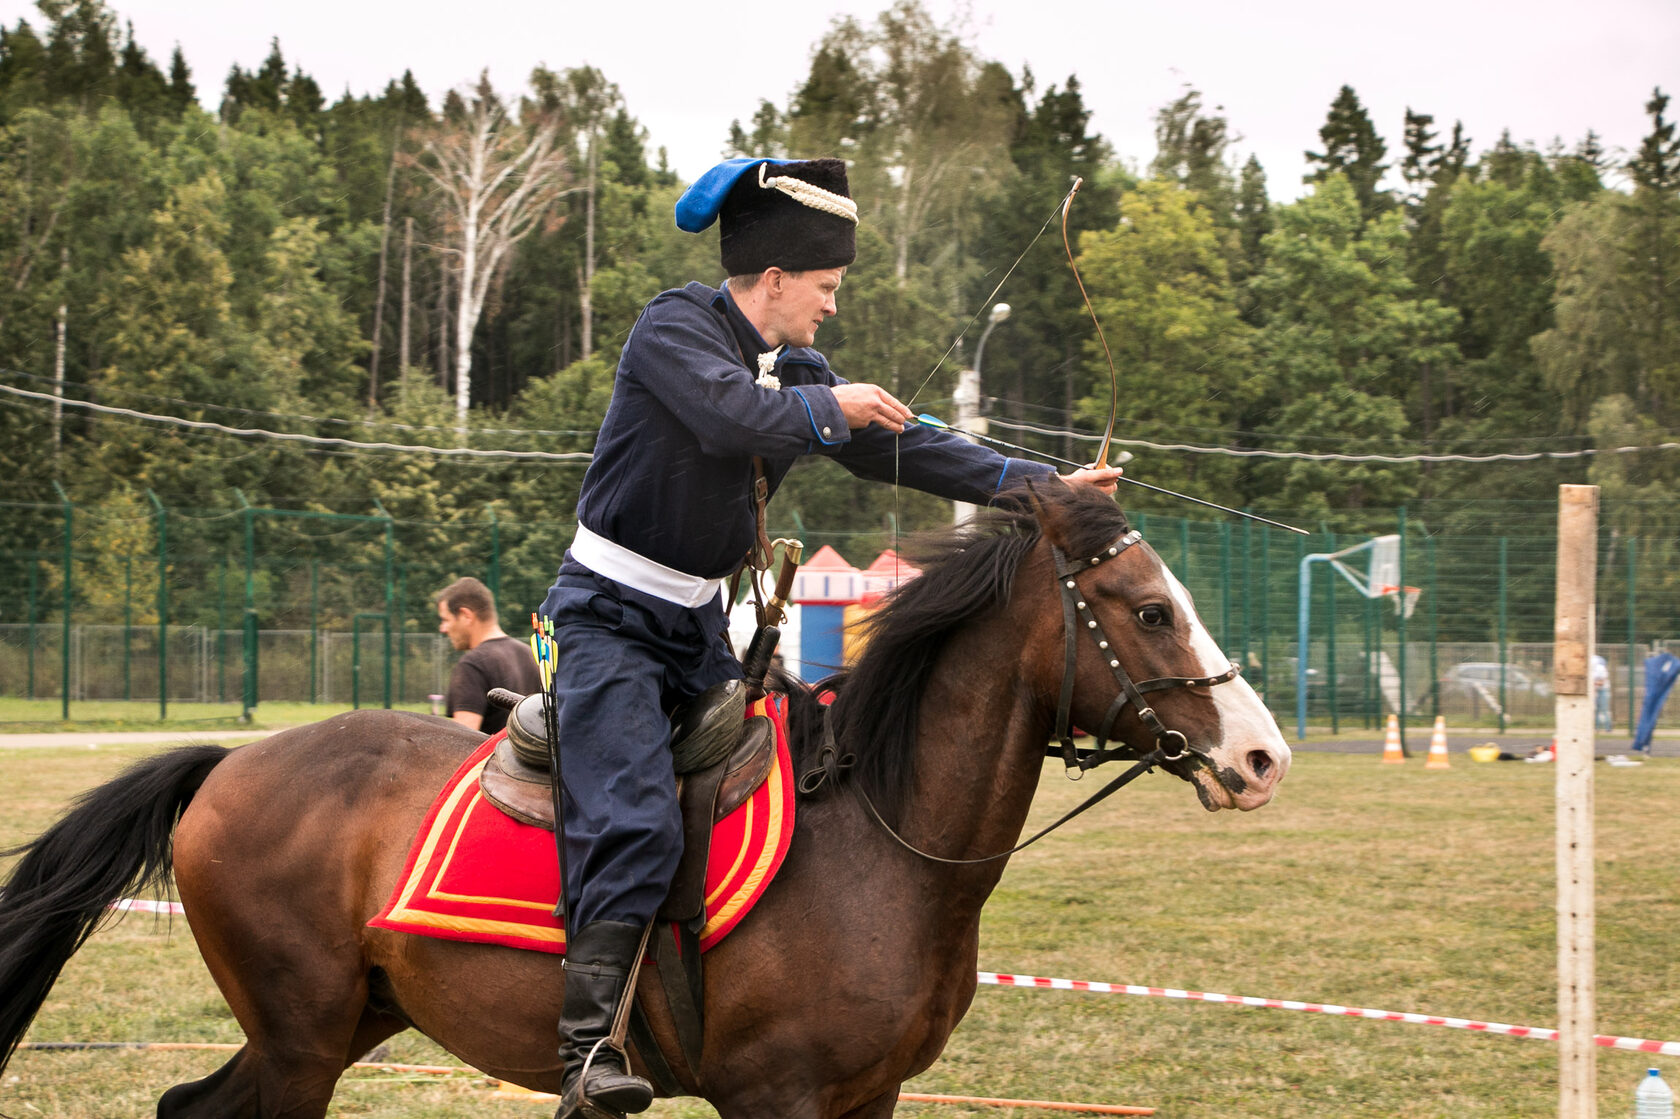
column 1481, row 678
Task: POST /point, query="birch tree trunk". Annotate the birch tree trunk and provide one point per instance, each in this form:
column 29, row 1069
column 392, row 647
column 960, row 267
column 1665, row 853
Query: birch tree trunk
column 443, row 325
column 58, row 347
column 402, row 328
column 379, row 296
column 586, row 304
column 495, row 178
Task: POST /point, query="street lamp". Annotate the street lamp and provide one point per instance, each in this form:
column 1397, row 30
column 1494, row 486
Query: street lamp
column 1000, row 311
column 966, row 399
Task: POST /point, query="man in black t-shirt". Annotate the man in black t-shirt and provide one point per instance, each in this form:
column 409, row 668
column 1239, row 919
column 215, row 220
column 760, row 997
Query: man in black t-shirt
column 467, row 616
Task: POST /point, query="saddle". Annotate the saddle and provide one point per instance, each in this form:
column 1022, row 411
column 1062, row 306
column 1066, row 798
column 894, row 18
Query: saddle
column 713, row 748
column 720, row 758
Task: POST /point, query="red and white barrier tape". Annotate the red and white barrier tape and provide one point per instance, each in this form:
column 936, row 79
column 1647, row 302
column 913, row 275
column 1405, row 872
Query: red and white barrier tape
column 1639, row 1044
column 147, row 905
column 1001, row 979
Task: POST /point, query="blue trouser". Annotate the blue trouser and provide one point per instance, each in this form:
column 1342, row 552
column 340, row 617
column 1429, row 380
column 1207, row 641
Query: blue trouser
column 624, row 660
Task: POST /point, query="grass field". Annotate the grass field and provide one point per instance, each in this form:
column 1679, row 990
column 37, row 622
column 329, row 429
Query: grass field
column 1365, row 885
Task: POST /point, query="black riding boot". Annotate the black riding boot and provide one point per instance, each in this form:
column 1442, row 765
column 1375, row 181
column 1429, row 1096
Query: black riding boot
column 598, row 963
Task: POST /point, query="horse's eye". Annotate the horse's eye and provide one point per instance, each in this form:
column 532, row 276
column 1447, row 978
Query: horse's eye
column 1153, row 615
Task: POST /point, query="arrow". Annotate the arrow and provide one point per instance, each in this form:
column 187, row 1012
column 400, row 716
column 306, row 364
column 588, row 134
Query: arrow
column 936, row 422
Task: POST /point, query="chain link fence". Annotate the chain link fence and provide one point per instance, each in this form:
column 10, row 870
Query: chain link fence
column 258, row 605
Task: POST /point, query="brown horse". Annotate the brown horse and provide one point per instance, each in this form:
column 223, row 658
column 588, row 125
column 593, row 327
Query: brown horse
column 858, row 961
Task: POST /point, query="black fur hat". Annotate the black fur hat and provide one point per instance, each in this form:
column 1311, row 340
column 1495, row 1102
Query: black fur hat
column 769, row 224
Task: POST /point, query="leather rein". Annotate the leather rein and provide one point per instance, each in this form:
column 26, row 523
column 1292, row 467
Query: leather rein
column 1170, row 745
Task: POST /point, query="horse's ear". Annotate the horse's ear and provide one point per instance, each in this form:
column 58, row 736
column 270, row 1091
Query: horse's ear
column 1048, row 498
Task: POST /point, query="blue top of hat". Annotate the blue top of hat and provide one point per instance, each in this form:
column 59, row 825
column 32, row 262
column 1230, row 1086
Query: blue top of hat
column 699, row 205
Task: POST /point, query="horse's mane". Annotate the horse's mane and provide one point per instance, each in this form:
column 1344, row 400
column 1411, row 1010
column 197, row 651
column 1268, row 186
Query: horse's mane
column 966, row 571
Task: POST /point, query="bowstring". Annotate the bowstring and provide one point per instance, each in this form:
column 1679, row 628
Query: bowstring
column 985, row 304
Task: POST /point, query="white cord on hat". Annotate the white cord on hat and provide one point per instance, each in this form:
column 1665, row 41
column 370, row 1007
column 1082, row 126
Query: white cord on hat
column 810, row 194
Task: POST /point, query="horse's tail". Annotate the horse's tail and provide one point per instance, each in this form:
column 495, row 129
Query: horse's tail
column 115, row 840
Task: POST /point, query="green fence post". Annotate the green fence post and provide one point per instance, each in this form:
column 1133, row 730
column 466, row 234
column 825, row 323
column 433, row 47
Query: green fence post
column 1266, row 613
column 1400, row 625
column 1248, row 591
column 221, row 632
column 69, row 603
column 128, row 622
column 1225, row 585
column 314, row 629
column 495, row 571
column 1300, row 558
column 1632, row 612
column 390, row 590
column 402, row 634
column 248, row 627
column 34, row 578
column 1330, row 648
column 1504, row 600
column 1368, row 695
column 1434, row 630
column 162, row 605
column 356, row 662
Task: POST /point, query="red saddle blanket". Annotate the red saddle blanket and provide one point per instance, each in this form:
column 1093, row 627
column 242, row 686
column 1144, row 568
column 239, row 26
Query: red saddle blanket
column 474, row 873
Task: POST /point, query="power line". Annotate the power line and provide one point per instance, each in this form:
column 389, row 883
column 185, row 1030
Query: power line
column 1328, row 456
column 298, row 437
column 393, row 424
column 585, row 456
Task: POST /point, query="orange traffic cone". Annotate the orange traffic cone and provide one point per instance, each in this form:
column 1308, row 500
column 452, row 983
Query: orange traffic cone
column 1392, row 754
column 1438, row 746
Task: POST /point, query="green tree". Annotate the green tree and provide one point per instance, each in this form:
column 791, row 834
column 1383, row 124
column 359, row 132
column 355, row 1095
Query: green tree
column 1034, row 363
column 1616, row 304
column 1162, row 288
column 175, row 335
column 182, row 92
column 1653, row 258
column 1254, row 220
column 1423, row 156
column 1190, row 150
column 1497, row 273
column 81, row 55
column 138, row 85
column 1352, row 148
column 1342, row 339
column 23, row 71
column 767, row 138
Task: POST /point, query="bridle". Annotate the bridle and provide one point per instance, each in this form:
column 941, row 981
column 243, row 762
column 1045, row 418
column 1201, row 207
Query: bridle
column 1171, row 746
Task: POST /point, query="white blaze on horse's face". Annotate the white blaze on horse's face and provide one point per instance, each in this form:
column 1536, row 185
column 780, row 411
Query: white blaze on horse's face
column 1249, row 756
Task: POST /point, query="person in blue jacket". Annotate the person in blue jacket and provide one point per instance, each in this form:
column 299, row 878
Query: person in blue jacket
column 709, row 379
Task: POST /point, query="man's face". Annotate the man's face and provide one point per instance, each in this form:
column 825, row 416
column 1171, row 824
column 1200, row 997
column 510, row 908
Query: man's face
column 800, row 302
column 454, row 626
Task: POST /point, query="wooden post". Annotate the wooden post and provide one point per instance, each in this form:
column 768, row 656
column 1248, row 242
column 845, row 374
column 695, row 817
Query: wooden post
column 1577, row 576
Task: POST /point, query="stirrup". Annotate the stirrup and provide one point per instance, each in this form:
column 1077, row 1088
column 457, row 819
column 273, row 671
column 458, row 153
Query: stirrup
column 575, row 1103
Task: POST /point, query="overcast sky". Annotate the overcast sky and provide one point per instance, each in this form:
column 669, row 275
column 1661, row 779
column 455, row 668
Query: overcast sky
column 1544, row 69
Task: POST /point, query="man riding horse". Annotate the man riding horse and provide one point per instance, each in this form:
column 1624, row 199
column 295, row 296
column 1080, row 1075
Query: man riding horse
column 715, row 387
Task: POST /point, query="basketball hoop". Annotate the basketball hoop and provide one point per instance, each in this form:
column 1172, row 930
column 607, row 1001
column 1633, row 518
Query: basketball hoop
column 1404, row 604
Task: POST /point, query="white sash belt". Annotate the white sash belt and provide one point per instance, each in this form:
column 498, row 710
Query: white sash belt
column 621, row 565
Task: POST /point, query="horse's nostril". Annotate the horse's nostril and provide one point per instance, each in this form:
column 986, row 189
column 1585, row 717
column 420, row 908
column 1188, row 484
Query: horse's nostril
column 1260, row 762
